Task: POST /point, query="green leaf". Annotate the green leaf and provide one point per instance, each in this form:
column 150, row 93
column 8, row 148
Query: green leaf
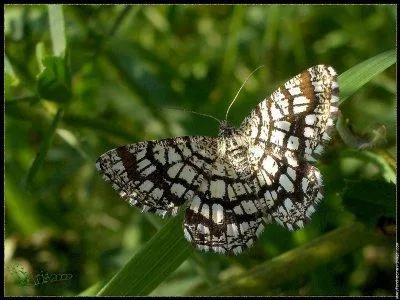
column 354, row 78
column 54, row 82
column 153, row 263
column 57, row 31
column 368, row 200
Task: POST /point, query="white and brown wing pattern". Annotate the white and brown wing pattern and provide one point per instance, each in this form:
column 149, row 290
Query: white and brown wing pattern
column 223, row 216
column 238, row 182
column 159, row 176
column 286, row 132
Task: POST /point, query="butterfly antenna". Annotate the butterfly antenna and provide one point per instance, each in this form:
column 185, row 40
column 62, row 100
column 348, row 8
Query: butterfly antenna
column 194, row 112
column 248, row 77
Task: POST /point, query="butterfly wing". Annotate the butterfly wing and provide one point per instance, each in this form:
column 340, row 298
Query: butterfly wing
column 229, row 206
column 286, row 131
column 159, row 176
column 298, row 116
column 222, row 216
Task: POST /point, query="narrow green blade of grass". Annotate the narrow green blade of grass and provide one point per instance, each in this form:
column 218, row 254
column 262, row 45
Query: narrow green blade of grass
column 354, row 78
column 153, row 263
column 120, row 18
column 44, row 147
column 57, row 31
column 294, row 263
column 93, row 289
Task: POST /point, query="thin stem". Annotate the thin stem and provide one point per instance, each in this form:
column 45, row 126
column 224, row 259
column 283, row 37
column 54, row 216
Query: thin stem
column 121, row 16
column 44, row 148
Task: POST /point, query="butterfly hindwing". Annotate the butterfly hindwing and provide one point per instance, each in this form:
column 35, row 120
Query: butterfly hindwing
column 223, row 216
column 288, row 193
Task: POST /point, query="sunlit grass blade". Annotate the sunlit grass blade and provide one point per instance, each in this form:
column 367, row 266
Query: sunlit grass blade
column 354, row 78
column 153, row 263
column 57, row 30
column 93, row 289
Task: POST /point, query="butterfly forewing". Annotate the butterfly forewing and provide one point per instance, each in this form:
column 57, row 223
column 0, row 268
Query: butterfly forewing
column 286, row 131
column 159, row 176
column 240, row 181
column 298, row 116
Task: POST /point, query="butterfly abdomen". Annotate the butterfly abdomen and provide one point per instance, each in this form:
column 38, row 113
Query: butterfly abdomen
column 233, row 151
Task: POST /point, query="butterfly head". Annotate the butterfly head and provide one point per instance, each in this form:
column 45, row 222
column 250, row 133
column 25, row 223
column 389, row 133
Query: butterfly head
column 225, row 129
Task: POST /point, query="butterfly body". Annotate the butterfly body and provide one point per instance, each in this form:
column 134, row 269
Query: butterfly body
column 237, row 183
column 232, row 149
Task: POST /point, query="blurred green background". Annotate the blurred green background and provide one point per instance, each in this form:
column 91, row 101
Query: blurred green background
column 125, row 65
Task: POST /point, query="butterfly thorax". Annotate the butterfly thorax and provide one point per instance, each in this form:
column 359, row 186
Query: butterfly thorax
column 233, row 148
column 226, row 130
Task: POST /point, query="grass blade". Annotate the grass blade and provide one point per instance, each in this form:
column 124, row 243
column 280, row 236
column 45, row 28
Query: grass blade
column 44, row 147
column 354, row 78
column 294, row 263
column 153, row 263
column 57, row 31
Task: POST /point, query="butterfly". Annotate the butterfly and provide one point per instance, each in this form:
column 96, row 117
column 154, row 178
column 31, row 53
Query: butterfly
column 233, row 185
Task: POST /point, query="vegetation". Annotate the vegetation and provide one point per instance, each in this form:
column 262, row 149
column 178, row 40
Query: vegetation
column 83, row 79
